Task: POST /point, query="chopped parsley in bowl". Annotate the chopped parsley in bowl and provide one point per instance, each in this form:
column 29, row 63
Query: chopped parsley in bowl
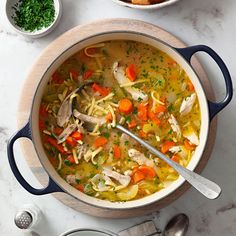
column 33, row 18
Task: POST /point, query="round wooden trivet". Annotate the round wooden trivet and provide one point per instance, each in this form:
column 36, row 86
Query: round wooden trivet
column 58, row 46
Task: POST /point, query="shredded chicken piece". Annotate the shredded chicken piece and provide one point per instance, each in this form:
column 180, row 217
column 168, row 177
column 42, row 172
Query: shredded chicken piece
column 140, row 158
column 122, row 179
column 119, row 74
column 191, row 135
column 187, row 104
column 95, row 120
column 66, row 133
column 174, row 125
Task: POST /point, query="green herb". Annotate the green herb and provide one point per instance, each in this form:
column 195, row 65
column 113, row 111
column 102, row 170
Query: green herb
column 88, row 189
column 126, row 143
column 128, row 119
column 170, row 131
column 66, row 162
column 78, row 181
column 135, row 111
column 31, row 15
column 91, row 176
column 140, row 99
column 106, row 135
column 170, row 108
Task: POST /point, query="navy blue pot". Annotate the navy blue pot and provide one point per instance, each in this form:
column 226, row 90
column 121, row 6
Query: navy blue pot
column 181, row 55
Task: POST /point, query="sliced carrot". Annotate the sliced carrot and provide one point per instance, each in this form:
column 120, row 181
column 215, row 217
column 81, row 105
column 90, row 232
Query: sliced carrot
column 132, row 124
column 166, row 146
column 189, row 145
column 172, row 63
column 42, row 125
column 54, row 143
column 175, row 158
column 190, row 86
column 131, row 72
column 117, row 152
column 143, row 111
column 152, row 116
column 100, row 141
column 125, row 106
column 87, row 74
column 71, row 159
column 160, row 108
column 137, row 176
column 56, row 78
column 142, row 134
column 77, row 135
column 74, row 74
column 109, row 117
column 71, row 141
column 147, row 171
column 43, row 111
column 57, row 130
column 80, row 187
column 101, row 90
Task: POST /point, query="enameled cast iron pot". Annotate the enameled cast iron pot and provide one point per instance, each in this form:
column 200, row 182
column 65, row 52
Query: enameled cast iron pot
column 181, row 55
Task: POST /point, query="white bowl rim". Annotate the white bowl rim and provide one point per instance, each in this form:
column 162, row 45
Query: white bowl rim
column 146, row 7
column 105, row 204
column 37, row 33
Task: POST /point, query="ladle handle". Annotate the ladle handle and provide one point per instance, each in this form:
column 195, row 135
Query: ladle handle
column 208, row 188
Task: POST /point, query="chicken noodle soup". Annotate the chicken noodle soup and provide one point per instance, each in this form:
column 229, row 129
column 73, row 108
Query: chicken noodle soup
column 135, row 85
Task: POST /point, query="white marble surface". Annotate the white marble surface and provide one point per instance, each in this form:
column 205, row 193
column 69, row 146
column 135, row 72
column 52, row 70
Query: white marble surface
column 209, row 22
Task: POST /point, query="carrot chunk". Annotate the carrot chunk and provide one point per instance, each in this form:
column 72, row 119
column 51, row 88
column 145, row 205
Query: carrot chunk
column 117, row 152
column 71, row 141
column 143, row 111
column 131, row 72
column 165, row 147
column 56, row 78
column 190, row 86
column 137, row 176
column 100, row 141
column 175, row 158
column 77, row 135
column 125, row 106
column 188, row 145
column 87, row 74
column 153, row 117
column 101, row 90
column 71, row 159
column 54, row 143
column 109, row 117
column 160, row 108
column 80, row 187
column 147, row 171
column 132, row 124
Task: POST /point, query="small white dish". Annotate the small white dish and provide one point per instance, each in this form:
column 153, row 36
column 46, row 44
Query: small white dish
column 146, row 7
column 38, row 33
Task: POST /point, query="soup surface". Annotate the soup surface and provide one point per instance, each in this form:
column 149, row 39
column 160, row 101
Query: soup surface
column 131, row 84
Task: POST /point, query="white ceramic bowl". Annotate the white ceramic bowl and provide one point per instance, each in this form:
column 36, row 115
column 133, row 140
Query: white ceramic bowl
column 38, row 33
column 146, row 7
column 56, row 54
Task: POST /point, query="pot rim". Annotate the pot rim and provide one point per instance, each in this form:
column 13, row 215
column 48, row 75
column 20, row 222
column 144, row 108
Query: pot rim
column 121, row 204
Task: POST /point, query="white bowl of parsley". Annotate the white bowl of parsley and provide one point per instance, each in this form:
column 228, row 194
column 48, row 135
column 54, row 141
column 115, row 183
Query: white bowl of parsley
column 33, row 18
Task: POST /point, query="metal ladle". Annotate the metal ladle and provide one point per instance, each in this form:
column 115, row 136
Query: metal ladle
column 206, row 187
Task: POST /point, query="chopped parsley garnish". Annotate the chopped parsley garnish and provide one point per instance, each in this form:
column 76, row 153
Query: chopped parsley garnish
column 106, row 135
column 34, row 15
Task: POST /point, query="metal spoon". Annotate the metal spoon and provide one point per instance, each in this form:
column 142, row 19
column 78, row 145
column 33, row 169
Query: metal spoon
column 208, row 188
column 177, row 226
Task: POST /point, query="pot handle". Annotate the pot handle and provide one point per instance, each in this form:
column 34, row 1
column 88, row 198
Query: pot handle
column 214, row 107
column 52, row 186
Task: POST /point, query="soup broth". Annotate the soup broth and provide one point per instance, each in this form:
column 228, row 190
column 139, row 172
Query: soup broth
column 132, row 84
